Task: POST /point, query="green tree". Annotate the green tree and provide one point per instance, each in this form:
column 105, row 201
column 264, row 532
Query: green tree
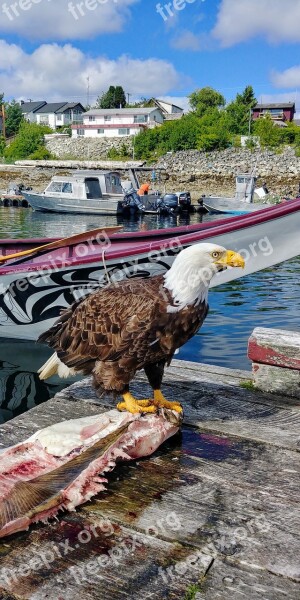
column 2, row 145
column 204, row 100
column 14, row 118
column 29, row 139
column 113, row 98
column 268, row 133
column 238, row 112
column 213, row 131
column 247, row 97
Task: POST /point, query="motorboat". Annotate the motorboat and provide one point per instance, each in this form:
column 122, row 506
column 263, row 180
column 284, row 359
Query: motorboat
column 102, row 193
column 243, row 202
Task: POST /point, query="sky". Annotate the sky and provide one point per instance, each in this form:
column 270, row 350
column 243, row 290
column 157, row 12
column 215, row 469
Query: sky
column 73, row 50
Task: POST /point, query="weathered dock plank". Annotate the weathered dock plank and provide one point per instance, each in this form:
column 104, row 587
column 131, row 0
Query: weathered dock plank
column 216, row 506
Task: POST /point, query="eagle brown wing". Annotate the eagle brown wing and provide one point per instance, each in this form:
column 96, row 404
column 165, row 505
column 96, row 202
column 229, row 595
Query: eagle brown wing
column 127, row 322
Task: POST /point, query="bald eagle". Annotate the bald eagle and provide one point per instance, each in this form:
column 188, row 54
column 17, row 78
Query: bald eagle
column 136, row 324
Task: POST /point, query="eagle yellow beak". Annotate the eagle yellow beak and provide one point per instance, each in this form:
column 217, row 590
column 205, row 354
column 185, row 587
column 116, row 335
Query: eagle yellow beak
column 231, row 259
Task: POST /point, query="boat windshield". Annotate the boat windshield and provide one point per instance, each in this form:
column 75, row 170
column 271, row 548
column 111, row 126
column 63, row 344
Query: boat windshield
column 243, row 179
column 61, row 187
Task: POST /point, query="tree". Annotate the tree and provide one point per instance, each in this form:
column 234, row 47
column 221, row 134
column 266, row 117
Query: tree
column 238, row 112
column 29, row 139
column 205, row 99
column 113, row 98
column 14, row 118
column 268, row 133
column 247, row 97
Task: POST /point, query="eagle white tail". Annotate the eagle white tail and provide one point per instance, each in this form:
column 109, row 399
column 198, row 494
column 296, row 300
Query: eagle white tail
column 54, row 366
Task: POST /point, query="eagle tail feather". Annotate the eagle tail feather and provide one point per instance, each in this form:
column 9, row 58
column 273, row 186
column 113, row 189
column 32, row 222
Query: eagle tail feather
column 54, row 366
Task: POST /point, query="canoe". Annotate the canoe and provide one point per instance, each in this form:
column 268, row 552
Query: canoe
column 33, row 290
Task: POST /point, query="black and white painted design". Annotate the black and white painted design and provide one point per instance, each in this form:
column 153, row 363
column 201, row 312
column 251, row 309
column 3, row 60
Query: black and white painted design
column 38, row 298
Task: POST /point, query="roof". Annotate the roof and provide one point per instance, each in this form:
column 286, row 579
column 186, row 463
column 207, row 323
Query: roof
column 120, row 111
column 275, row 105
column 169, row 103
column 51, row 108
column 28, row 107
column 69, row 106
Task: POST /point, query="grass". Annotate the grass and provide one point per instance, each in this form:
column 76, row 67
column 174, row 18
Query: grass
column 248, row 385
column 191, row 592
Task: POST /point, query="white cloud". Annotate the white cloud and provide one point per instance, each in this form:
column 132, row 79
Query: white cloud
column 241, row 20
column 274, row 98
column 290, row 78
column 187, row 40
column 62, row 19
column 54, row 72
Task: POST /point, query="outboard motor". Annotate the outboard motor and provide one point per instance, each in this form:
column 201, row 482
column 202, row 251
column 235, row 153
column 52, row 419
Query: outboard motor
column 132, row 201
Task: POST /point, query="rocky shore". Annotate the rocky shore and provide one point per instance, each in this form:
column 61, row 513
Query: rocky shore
column 199, row 172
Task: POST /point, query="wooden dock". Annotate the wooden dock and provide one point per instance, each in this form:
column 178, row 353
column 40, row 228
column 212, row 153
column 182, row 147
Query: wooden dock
column 213, row 515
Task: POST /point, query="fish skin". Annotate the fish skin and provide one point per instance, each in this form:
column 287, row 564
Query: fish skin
column 36, row 484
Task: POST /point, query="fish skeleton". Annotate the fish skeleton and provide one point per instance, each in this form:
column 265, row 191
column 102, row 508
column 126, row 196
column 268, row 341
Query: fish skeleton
column 63, row 465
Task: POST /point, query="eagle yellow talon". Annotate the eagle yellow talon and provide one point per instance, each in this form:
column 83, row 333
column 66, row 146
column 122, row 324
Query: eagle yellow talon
column 133, row 406
column 161, row 402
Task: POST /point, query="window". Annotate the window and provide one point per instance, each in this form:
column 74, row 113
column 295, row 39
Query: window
column 59, row 117
column 124, row 131
column 92, row 118
column 60, row 187
column 44, row 119
column 140, row 119
column 67, row 188
column 100, row 131
column 55, row 186
column 80, row 131
column 107, row 118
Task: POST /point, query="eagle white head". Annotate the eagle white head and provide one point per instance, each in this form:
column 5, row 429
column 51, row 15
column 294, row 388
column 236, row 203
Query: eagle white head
column 193, row 268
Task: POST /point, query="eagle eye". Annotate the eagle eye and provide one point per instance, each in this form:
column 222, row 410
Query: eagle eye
column 215, row 254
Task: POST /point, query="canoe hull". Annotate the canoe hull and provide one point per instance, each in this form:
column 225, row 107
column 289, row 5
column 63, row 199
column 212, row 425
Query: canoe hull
column 31, row 297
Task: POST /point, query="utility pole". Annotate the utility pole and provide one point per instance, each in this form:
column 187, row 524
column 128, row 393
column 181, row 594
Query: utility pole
column 3, row 121
column 128, row 97
column 250, row 119
column 88, row 92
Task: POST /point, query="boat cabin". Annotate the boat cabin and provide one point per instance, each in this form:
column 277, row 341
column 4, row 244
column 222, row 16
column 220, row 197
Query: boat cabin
column 244, row 187
column 85, row 185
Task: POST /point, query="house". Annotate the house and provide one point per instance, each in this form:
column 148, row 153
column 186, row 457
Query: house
column 170, row 111
column 284, row 111
column 117, row 122
column 29, row 109
column 59, row 114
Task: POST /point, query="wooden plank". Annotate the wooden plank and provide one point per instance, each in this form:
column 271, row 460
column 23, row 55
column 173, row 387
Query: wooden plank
column 84, row 557
column 217, row 408
column 276, row 347
column 208, row 494
column 277, row 380
column 227, row 581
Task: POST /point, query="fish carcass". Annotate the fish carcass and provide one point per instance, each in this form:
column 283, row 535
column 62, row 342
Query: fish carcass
column 64, row 465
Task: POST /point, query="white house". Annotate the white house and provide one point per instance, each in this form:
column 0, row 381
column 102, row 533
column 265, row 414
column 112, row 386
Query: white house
column 29, row 109
column 59, row 114
column 114, row 122
column 168, row 108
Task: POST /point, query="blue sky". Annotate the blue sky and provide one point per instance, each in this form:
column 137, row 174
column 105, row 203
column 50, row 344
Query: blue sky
column 51, row 49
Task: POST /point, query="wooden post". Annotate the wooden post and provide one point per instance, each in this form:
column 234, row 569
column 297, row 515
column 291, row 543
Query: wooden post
column 275, row 356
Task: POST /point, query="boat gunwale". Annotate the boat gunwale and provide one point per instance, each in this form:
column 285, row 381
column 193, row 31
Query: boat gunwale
column 243, row 222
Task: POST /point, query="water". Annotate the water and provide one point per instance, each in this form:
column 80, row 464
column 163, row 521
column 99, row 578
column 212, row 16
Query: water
column 269, row 298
